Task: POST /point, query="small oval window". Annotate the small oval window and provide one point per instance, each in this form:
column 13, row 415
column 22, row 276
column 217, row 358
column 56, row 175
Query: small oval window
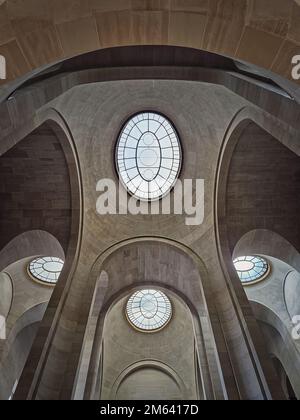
column 251, row 269
column 46, row 269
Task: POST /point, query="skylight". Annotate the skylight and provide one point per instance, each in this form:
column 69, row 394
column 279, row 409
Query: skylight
column 149, row 310
column 46, row 269
column 251, row 269
column 148, row 156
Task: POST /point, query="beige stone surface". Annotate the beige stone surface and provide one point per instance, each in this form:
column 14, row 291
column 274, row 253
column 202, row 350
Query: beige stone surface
column 198, row 113
column 173, row 347
column 44, row 30
column 220, row 339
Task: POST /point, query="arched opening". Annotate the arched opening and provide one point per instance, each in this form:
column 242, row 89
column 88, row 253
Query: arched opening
column 263, row 189
column 112, row 344
column 17, row 348
column 124, row 346
column 23, row 302
column 257, row 193
column 39, row 217
column 281, row 346
column 148, row 379
column 35, row 187
column 275, row 304
column 142, row 384
column 285, row 382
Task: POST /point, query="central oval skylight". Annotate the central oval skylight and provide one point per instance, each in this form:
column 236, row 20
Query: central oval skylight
column 251, row 269
column 149, row 310
column 148, row 156
column 46, row 269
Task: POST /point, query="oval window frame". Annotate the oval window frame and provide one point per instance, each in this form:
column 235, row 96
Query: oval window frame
column 180, row 149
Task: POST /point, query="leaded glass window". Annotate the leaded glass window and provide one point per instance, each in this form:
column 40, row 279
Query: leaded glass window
column 148, row 156
column 251, row 268
column 46, row 269
column 149, row 310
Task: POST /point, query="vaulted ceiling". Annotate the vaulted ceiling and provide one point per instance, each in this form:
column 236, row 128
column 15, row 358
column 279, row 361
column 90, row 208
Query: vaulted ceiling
column 34, row 33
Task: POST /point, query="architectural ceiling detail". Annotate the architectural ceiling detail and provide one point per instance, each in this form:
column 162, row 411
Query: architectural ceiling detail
column 46, row 269
column 148, row 310
column 148, row 156
column 251, row 269
column 149, row 305
column 40, row 32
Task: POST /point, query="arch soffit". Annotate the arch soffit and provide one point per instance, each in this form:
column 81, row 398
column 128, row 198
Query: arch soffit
column 188, row 252
column 269, row 243
column 243, row 118
column 171, row 22
column 153, row 364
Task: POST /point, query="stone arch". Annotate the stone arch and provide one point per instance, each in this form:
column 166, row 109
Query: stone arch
column 153, row 62
column 229, row 228
column 276, row 314
column 42, row 239
column 285, row 381
column 102, row 302
column 28, row 301
column 116, row 328
column 191, row 256
column 291, row 293
column 267, row 242
column 151, row 364
column 204, row 386
column 48, row 127
column 6, row 296
column 257, row 124
column 55, row 123
column 26, row 292
column 45, row 156
column 279, row 343
column 18, row 347
column 228, row 27
column 29, row 244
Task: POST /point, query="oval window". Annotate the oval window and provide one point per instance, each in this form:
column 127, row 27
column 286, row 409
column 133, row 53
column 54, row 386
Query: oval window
column 46, row 269
column 148, row 156
column 149, row 310
column 251, row 269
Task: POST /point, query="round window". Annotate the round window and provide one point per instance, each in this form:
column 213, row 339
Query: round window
column 251, row 269
column 46, row 269
column 149, row 310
